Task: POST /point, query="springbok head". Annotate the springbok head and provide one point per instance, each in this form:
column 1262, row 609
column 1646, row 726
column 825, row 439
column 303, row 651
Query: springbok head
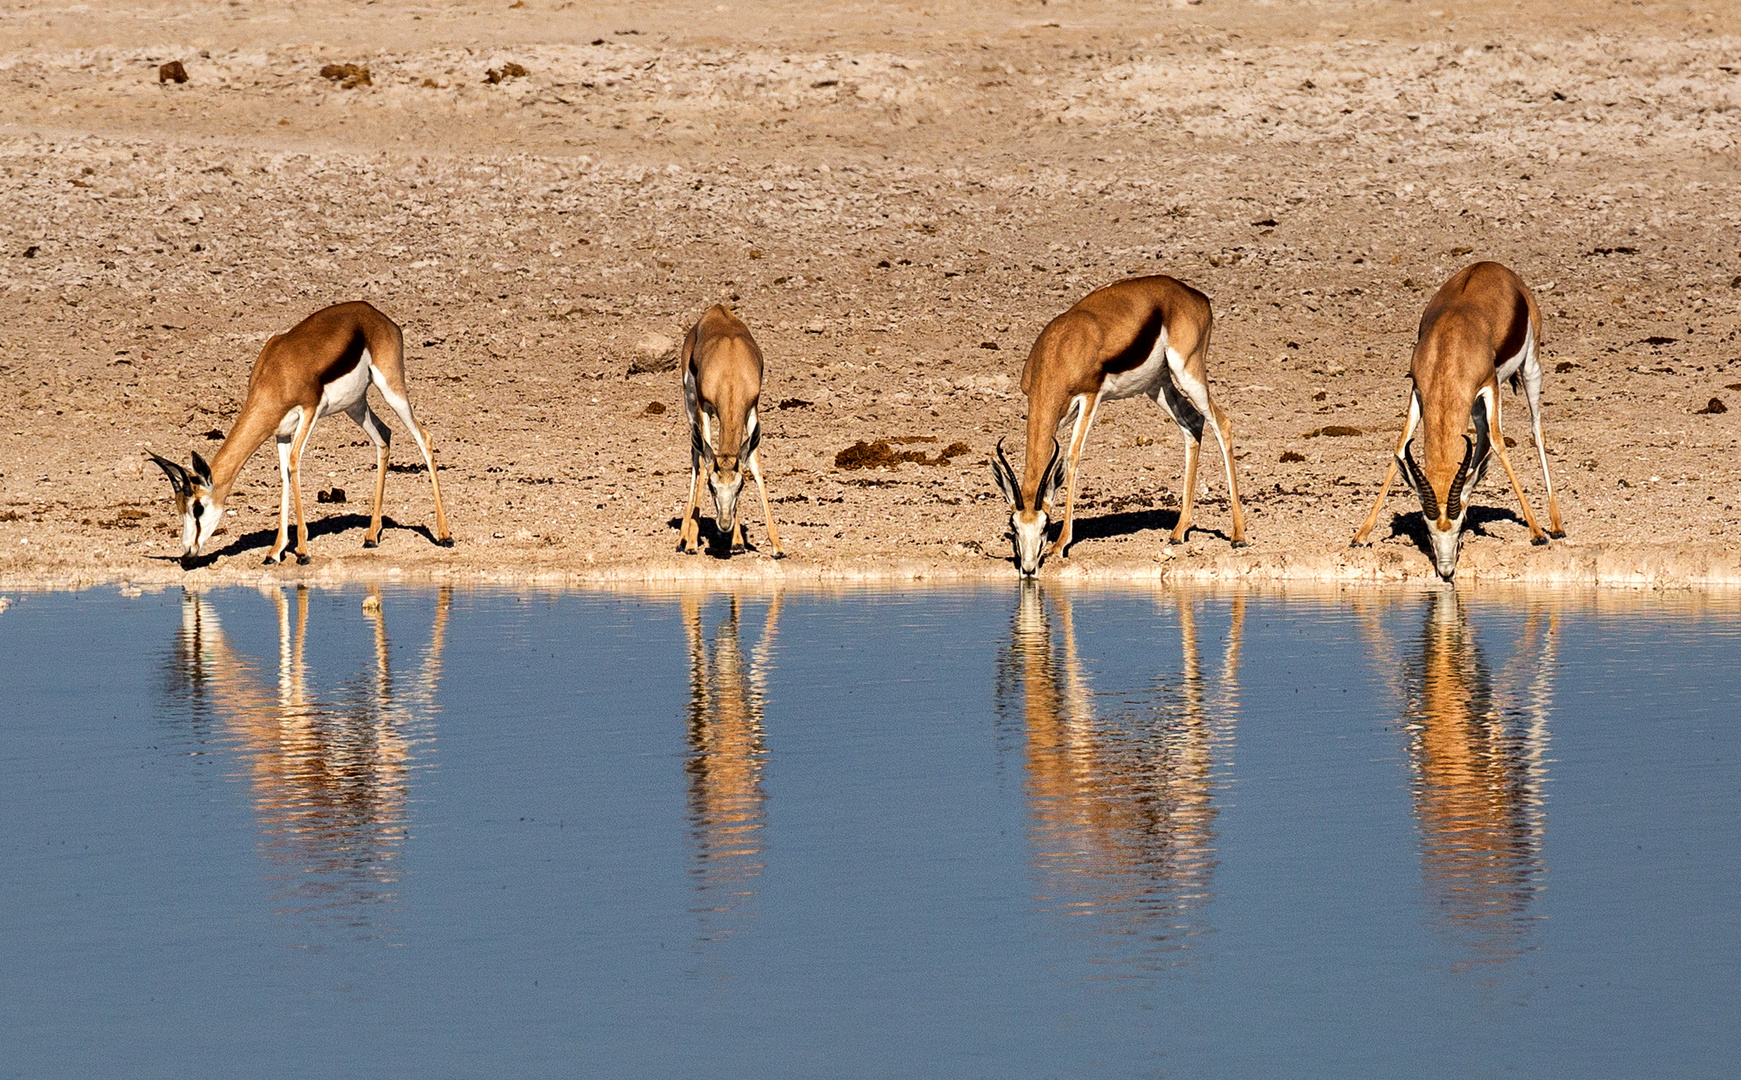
column 1028, row 523
column 725, row 472
column 1444, row 520
column 200, row 511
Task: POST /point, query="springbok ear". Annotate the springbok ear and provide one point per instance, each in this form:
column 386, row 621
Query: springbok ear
column 201, row 471
column 750, row 444
column 1005, row 478
column 178, row 478
column 1054, row 477
column 698, row 445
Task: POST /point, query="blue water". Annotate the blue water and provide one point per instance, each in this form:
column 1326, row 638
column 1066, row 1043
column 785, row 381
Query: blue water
column 990, row 832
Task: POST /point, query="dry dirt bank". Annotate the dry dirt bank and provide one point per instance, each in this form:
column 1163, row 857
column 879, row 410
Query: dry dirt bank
column 895, row 200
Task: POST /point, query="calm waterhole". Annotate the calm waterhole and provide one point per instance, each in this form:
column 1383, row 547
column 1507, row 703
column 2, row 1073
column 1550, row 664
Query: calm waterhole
column 1032, row 831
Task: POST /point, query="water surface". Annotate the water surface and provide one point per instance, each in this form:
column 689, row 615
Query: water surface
column 989, row 832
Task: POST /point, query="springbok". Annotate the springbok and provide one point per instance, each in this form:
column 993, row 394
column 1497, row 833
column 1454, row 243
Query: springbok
column 324, row 364
column 1147, row 335
column 1479, row 330
column 722, row 383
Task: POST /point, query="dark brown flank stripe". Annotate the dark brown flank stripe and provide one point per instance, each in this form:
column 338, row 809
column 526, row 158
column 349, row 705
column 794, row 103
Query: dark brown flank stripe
column 1142, row 344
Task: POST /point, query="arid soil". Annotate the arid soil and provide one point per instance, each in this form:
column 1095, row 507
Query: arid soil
column 896, row 198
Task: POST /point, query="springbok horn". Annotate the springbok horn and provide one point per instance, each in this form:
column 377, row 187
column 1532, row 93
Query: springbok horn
column 1454, row 501
column 1423, row 490
column 177, row 475
column 1011, row 482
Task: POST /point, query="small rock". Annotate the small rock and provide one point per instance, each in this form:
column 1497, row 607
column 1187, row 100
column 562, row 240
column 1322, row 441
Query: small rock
column 654, row 352
column 1292, row 455
column 334, row 495
column 654, row 408
column 510, row 70
column 348, row 76
column 172, row 72
column 1716, row 406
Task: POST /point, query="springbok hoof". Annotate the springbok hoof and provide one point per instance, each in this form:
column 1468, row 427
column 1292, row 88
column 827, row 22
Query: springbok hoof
column 303, row 560
column 374, row 543
column 446, row 542
column 1241, row 543
column 778, row 555
column 271, row 560
column 1538, row 541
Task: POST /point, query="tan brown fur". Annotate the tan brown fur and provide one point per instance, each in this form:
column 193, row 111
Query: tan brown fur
column 293, row 370
column 1078, row 359
column 1479, row 319
column 722, row 379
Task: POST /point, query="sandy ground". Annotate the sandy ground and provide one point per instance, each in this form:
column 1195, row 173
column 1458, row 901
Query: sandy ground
column 895, row 198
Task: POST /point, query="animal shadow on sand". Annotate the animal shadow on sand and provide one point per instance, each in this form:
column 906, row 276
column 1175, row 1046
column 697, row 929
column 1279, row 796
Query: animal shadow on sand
column 327, row 526
column 715, row 543
column 1412, row 524
column 1127, row 523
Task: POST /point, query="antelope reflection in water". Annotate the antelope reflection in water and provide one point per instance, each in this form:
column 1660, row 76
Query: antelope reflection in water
column 727, row 806
column 329, row 775
column 1122, row 805
column 1477, row 748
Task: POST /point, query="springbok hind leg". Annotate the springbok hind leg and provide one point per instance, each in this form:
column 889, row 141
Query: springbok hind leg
column 379, row 434
column 767, row 515
column 397, row 400
column 1536, row 536
column 1532, row 388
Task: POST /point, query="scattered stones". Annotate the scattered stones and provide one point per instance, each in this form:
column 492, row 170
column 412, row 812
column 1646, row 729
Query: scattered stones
column 332, row 495
column 172, row 72
column 1333, row 431
column 214, row 435
column 509, row 70
column 795, row 403
column 880, row 455
column 1291, row 455
column 1715, row 407
column 654, row 408
column 1564, row 366
column 348, row 76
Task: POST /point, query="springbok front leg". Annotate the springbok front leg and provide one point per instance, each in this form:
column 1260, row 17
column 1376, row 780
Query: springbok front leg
column 1085, row 408
column 297, row 446
column 1408, row 431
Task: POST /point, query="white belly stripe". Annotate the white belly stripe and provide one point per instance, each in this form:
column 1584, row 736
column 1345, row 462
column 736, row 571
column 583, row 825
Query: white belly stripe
column 1141, row 379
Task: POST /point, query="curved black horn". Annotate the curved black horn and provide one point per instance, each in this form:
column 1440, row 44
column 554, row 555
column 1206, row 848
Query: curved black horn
column 1417, row 480
column 1006, row 477
column 1454, row 501
column 177, row 475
